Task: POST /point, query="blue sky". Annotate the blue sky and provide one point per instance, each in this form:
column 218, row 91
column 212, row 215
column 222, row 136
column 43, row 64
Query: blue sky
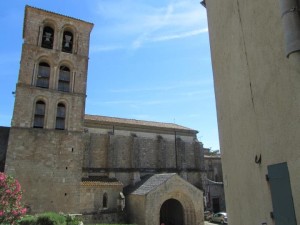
column 149, row 60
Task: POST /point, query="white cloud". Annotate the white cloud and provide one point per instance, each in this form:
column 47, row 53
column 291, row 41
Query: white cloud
column 179, row 35
column 137, row 23
column 99, row 48
column 178, row 85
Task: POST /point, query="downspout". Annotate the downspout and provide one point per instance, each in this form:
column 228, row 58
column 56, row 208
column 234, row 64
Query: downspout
column 290, row 15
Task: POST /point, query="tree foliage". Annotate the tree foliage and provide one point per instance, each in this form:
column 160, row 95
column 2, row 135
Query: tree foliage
column 11, row 208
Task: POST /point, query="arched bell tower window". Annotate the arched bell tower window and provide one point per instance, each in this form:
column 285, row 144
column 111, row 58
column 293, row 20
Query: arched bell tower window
column 60, row 117
column 64, row 79
column 104, row 201
column 67, row 42
column 48, row 37
column 39, row 114
column 43, row 75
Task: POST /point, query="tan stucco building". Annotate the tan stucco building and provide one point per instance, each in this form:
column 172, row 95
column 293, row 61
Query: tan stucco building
column 89, row 161
column 256, row 64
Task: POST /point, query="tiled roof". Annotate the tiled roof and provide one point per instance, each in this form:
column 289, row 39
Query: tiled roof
column 100, row 183
column 96, row 181
column 152, row 183
column 212, row 156
column 133, row 122
column 99, row 178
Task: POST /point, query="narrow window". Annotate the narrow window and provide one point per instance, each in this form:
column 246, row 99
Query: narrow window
column 48, row 37
column 43, row 75
column 67, row 42
column 104, row 203
column 64, row 79
column 39, row 115
column 60, row 117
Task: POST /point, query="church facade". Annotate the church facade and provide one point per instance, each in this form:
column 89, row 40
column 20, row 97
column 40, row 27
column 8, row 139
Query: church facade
column 67, row 161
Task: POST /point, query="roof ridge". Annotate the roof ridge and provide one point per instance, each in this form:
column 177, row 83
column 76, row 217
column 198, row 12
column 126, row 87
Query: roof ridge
column 152, row 183
column 137, row 121
column 122, row 118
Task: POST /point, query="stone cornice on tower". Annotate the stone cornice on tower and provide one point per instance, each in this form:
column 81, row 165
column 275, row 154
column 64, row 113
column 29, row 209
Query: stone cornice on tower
column 38, row 10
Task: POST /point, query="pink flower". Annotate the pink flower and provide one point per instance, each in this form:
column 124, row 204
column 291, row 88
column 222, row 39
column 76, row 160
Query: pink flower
column 23, row 211
column 11, row 208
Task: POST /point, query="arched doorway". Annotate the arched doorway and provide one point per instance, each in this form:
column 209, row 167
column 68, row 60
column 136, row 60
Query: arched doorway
column 171, row 213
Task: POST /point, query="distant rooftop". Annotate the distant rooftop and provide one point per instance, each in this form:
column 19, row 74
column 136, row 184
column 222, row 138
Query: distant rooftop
column 132, row 122
column 100, row 181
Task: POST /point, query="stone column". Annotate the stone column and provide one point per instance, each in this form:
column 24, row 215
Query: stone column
column 135, row 152
column 135, row 159
column 180, row 152
column 161, row 153
column 111, row 158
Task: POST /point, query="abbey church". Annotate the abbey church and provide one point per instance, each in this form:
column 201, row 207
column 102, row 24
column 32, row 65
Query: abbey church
column 109, row 169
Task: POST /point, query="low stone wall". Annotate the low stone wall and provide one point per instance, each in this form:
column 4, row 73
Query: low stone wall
column 105, row 217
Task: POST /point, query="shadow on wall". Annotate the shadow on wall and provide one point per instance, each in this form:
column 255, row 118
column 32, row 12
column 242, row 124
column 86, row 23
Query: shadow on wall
column 4, row 134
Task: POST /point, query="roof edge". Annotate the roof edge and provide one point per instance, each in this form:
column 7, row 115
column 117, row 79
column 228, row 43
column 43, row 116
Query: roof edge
column 136, row 123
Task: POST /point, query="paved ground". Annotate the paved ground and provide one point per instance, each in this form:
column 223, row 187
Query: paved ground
column 208, row 223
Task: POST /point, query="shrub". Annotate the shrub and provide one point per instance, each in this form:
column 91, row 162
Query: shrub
column 72, row 220
column 11, row 208
column 27, row 220
column 51, row 218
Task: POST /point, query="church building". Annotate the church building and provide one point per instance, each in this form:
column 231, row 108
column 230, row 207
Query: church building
column 107, row 169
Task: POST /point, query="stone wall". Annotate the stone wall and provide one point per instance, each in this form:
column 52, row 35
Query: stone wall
column 123, row 155
column 24, row 113
column 109, row 217
column 213, row 167
column 4, row 133
column 48, row 164
column 91, row 198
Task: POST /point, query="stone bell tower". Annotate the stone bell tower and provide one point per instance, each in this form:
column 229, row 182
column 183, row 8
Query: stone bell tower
column 51, row 89
column 46, row 137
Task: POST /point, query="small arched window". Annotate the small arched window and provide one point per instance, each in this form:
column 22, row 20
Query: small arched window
column 105, row 200
column 43, row 75
column 48, row 37
column 39, row 114
column 67, row 42
column 60, row 117
column 64, row 79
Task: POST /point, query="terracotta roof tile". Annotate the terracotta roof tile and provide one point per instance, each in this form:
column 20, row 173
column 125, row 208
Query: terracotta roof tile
column 133, row 122
column 100, row 183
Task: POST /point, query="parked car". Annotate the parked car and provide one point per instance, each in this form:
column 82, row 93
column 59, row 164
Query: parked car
column 220, row 217
column 207, row 215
